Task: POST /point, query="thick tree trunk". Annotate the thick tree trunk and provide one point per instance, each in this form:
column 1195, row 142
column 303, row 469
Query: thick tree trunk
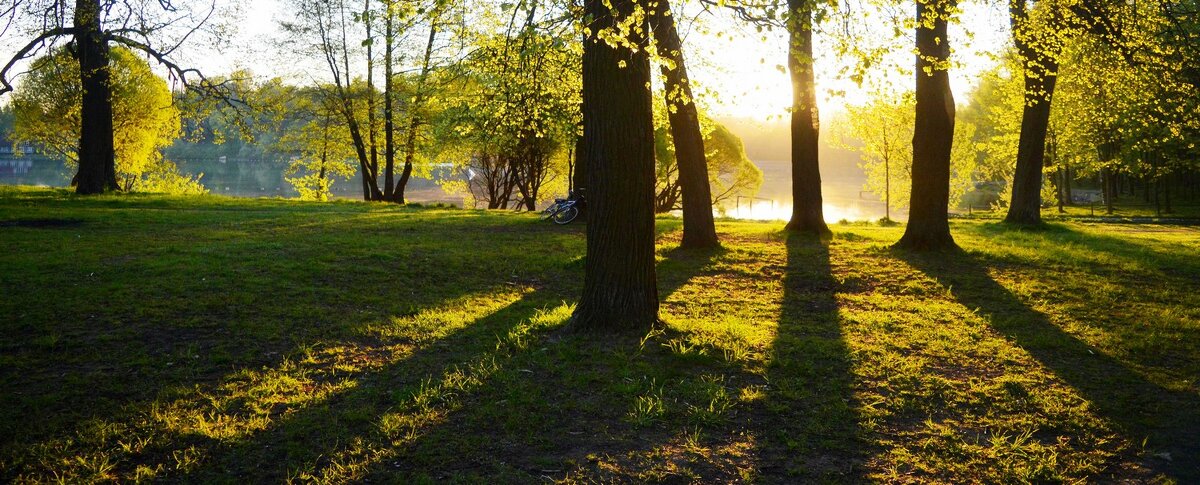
column 619, row 288
column 97, row 157
column 699, row 230
column 933, row 134
column 808, row 214
column 1041, row 74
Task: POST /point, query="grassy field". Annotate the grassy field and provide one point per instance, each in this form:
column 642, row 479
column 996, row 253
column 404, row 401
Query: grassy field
column 238, row 341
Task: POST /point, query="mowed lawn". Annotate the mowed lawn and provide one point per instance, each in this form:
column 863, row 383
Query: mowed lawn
column 215, row 340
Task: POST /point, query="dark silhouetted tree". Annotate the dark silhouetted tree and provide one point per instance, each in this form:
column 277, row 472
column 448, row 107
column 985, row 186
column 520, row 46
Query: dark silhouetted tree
column 933, row 132
column 619, row 290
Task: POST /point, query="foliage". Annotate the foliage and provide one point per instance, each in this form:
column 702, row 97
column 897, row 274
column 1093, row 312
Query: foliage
column 320, row 144
column 47, row 108
column 163, row 177
column 882, row 132
column 511, row 122
column 730, row 172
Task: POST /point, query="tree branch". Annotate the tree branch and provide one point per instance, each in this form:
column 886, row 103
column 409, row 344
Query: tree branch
column 25, row 52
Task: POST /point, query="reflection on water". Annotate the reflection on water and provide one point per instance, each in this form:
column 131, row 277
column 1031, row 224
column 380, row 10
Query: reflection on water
column 843, row 196
column 768, row 211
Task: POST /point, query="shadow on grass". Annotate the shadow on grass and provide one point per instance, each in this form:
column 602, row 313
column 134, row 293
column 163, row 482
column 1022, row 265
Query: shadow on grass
column 1178, row 264
column 1169, row 421
column 188, row 308
column 673, row 408
column 568, row 408
column 349, row 432
column 808, row 425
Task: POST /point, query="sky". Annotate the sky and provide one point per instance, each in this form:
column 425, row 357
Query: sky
column 738, row 73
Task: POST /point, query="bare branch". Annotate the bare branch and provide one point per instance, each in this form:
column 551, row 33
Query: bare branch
column 27, row 51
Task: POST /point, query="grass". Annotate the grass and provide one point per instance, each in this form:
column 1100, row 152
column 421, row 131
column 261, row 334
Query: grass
column 227, row 340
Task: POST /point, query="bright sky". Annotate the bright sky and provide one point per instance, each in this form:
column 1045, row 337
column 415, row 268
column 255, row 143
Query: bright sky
column 737, row 70
column 745, row 70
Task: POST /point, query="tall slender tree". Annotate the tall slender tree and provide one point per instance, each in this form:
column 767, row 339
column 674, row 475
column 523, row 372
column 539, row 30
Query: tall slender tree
column 933, row 132
column 699, row 230
column 807, row 206
column 619, row 288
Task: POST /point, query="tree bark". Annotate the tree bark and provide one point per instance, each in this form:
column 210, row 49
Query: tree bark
column 389, row 116
column 933, row 134
column 1041, row 74
column 372, row 128
column 414, row 120
column 579, row 174
column 808, row 214
column 619, row 288
column 1106, row 178
column 699, row 230
column 97, row 156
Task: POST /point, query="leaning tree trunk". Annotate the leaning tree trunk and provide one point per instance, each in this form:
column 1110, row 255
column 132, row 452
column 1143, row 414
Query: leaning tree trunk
column 933, row 134
column 619, row 289
column 97, row 157
column 414, row 120
column 807, row 212
column 699, row 230
column 1041, row 72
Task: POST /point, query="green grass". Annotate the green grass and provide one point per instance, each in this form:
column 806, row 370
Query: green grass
column 239, row 341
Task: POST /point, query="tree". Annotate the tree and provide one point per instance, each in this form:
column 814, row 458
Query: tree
column 730, row 172
column 95, row 25
column 1038, row 43
column 807, row 205
column 699, row 230
column 619, row 289
column 881, row 131
column 933, row 132
column 48, row 110
column 319, row 143
column 510, row 118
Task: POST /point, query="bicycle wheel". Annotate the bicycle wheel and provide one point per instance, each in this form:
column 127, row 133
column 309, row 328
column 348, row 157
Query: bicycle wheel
column 549, row 212
column 567, row 215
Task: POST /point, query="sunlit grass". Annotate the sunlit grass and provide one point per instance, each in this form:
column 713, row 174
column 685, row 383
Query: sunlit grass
column 215, row 339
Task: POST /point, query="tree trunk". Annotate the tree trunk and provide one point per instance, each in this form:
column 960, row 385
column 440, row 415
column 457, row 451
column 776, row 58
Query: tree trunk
column 97, row 157
column 1167, row 195
column 933, row 134
column 619, row 288
column 699, row 230
column 579, row 173
column 808, row 214
column 371, row 127
column 1041, row 74
column 1068, row 179
column 1106, row 183
column 389, row 116
column 414, row 120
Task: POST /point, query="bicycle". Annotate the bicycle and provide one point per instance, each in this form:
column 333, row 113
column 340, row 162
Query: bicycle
column 564, row 211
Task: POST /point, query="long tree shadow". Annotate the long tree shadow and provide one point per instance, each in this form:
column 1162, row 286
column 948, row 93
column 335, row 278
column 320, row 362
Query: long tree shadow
column 564, row 409
column 142, row 350
column 337, row 438
column 1178, row 264
column 807, row 423
column 1168, row 421
column 603, row 408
